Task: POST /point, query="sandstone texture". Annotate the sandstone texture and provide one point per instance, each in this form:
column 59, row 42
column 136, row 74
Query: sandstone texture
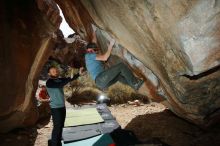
column 26, row 40
column 174, row 45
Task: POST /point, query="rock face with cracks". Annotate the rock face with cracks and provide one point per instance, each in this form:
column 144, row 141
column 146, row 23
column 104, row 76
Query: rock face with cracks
column 175, row 45
column 26, row 41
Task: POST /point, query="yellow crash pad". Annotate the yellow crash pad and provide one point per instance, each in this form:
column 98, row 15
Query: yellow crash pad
column 82, row 117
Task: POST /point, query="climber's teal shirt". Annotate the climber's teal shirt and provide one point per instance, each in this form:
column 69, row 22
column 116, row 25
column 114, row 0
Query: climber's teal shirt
column 93, row 66
column 55, row 90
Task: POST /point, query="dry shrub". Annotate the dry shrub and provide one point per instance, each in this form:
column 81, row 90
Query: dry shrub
column 83, row 96
column 120, row 93
column 84, row 90
column 86, row 81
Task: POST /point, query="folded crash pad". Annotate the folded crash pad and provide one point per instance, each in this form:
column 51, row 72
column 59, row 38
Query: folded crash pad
column 107, row 116
column 103, row 108
column 86, row 123
column 109, row 126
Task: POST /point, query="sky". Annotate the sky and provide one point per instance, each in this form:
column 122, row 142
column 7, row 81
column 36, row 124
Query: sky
column 64, row 26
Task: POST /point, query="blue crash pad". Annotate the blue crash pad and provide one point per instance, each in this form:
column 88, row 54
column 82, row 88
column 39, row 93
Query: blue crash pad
column 101, row 140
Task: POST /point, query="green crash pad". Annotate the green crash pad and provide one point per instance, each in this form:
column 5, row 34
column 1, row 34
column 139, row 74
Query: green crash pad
column 101, row 140
column 82, row 117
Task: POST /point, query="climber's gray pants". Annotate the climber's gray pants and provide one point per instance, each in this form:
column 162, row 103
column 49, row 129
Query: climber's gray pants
column 119, row 72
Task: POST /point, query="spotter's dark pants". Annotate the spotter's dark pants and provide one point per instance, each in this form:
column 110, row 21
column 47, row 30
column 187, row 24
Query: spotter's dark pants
column 58, row 117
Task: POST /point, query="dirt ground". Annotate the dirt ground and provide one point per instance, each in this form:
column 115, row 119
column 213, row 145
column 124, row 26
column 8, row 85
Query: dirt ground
column 149, row 122
column 124, row 114
column 154, row 122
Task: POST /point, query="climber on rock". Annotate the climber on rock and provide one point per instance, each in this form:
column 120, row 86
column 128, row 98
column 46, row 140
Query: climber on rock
column 54, row 87
column 107, row 77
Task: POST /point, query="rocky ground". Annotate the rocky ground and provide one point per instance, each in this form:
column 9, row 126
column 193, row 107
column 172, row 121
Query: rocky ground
column 155, row 123
column 149, row 122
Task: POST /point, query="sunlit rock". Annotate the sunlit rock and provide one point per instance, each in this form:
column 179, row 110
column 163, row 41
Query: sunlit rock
column 26, row 40
column 174, row 44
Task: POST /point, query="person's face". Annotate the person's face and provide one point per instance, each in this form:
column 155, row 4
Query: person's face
column 54, row 72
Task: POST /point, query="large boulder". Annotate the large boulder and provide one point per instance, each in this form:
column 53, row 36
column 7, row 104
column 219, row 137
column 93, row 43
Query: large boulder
column 175, row 45
column 26, row 40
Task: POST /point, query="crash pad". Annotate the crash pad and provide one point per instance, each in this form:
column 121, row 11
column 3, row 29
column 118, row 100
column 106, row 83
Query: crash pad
column 82, row 117
column 71, row 134
column 109, row 126
column 103, row 108
column 101, row 140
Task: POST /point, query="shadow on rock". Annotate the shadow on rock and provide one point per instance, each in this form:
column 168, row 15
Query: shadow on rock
column 172, row 130
column 19, row 137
